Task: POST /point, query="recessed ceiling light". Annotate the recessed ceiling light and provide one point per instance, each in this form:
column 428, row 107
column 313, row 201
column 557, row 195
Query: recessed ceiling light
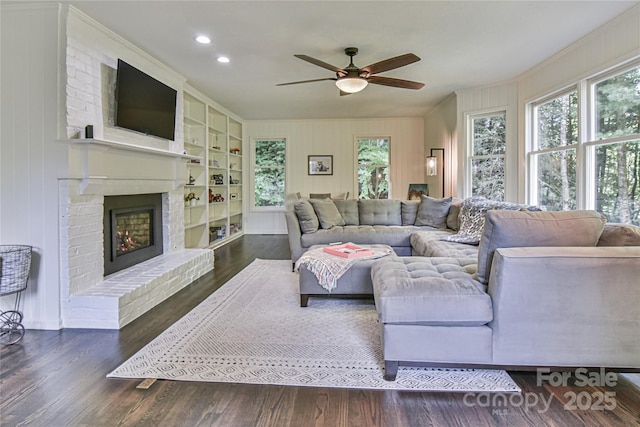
column 223, row 59
column 203, row 39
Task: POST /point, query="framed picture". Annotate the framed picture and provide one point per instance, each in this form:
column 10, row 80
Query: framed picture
column 417, row 190
column 321, row 165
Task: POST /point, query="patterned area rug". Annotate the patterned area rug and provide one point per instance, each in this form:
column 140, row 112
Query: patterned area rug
column 253, row 330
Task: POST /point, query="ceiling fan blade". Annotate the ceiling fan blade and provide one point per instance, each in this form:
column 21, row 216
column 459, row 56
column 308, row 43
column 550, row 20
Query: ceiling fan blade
column 391, row 63
column 388, row 81
column 306, row 81
column 319, row 63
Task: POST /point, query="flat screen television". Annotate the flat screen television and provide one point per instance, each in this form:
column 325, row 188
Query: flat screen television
column 143, row 103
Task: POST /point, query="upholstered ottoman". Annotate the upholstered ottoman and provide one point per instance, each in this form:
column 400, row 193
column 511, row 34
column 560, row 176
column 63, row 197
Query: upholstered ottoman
column 431, row 309
column 354, row 282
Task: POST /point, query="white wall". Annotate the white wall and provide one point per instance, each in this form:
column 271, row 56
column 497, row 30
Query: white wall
column 441, row 131
column 336, row 137
column 30, row 156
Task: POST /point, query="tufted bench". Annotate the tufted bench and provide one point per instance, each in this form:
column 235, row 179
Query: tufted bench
column 436, row 296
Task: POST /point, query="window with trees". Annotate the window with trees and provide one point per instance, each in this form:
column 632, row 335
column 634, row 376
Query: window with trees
column 554, row 151
column 615, row 176
column 585, row 150
column 373, row 168
column 487, row 160
column 269, row 189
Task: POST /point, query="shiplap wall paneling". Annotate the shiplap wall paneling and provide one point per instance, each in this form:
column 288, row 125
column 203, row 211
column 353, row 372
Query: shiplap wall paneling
column 29, row 154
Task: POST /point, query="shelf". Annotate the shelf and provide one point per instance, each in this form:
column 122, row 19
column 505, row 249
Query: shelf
column 217, row 135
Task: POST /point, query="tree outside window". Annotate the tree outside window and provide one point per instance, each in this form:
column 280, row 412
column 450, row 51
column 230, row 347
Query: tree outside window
column 554, row 153
column 487, row 158
column 617, row 155
column 269, row 172
column 373, row 168
column 608, row 151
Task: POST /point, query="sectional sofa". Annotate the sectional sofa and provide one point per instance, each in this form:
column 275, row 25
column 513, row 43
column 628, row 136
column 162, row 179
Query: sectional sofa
column 526, row 289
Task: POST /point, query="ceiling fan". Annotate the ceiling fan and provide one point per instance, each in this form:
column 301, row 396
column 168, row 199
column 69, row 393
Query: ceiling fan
column 352, row 79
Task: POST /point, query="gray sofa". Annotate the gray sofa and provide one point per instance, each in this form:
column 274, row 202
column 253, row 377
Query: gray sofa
column 390, row 222
column 538, row 289
column 550, row 289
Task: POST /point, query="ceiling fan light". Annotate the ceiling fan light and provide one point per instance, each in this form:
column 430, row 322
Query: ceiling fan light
column 351, row 84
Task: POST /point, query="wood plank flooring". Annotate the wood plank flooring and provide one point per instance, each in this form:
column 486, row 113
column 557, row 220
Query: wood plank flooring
column 57, row 378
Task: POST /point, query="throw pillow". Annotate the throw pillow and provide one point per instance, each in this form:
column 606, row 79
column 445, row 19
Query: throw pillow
column 409, row 211
column 508, row 229
column 453, row 221
column 327, row 212
column 615, row 234
column 306, row 216
column 433, row 212
column 472, row 212
column 349, row 211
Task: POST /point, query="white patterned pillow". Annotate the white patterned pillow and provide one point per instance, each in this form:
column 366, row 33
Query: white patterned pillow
column 471, row 218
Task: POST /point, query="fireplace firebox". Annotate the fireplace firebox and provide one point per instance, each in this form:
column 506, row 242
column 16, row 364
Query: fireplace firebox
column 132, row 230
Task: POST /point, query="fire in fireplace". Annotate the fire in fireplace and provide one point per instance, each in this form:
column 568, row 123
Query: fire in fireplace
column 132, row 230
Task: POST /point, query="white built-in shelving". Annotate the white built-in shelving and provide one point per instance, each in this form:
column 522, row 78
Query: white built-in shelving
column 213, row 142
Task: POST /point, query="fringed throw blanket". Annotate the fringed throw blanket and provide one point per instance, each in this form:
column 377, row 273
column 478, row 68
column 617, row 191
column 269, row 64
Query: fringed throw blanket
column 329, row 268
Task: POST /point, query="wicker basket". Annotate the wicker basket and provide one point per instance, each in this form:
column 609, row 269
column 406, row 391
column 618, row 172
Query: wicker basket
column 15, row 263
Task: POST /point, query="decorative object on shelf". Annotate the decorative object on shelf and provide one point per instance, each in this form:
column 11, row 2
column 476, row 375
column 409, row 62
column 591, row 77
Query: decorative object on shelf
column 192, row 180
column 321, row 165
column 233, row 196
column 417, row 190
column 88, row 131
column 218, row 231
column 234, row 181
column 217, row 179
column 218, row 198
column 194, row 161
column 191, row 199
column 214, row 163
column 232, row 166
column 195, row 141
column 215, row 147
column 235, row 151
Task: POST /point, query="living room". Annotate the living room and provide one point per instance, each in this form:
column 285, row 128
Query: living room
column 48, row 172
column 413, row 137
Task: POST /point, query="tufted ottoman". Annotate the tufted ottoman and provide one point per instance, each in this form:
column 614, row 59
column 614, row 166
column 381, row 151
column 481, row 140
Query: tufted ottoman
column 356, row 282
column 431, row 309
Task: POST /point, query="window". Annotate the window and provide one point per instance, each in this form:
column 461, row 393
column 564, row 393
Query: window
column 554, row 151
column 487, row 155
column 585, row 147
column 615, row 177
column 373, row 168
column 269, row 188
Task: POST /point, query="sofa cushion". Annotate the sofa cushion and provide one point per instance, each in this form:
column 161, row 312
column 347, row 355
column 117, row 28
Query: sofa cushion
column 431, row 244
column 380, row 212
column 620, row 235
column 428, row 291
column 306, row 216
column 508, row 229
column 327, row 212
column 433, row 212
column 392, row 235
column 472, row 213
column 409, row 211
column 349, row 211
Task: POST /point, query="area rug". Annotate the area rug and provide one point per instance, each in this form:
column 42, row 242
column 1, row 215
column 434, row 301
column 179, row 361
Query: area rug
column 253, row 330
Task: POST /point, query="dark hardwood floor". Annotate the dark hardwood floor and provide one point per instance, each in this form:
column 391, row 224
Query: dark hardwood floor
column 58, row 378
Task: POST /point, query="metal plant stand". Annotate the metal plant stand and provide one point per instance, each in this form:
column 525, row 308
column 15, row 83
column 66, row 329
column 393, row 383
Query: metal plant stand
column 15, row 263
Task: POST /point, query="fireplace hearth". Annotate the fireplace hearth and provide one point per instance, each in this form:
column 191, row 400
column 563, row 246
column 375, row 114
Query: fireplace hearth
column 132, row 230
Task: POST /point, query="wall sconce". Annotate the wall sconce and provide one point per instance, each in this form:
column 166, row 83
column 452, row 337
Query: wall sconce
column 432, row 165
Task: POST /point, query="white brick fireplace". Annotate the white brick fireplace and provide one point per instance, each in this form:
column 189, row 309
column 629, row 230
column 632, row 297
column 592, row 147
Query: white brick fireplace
column 90, row 300
column 116, row 162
